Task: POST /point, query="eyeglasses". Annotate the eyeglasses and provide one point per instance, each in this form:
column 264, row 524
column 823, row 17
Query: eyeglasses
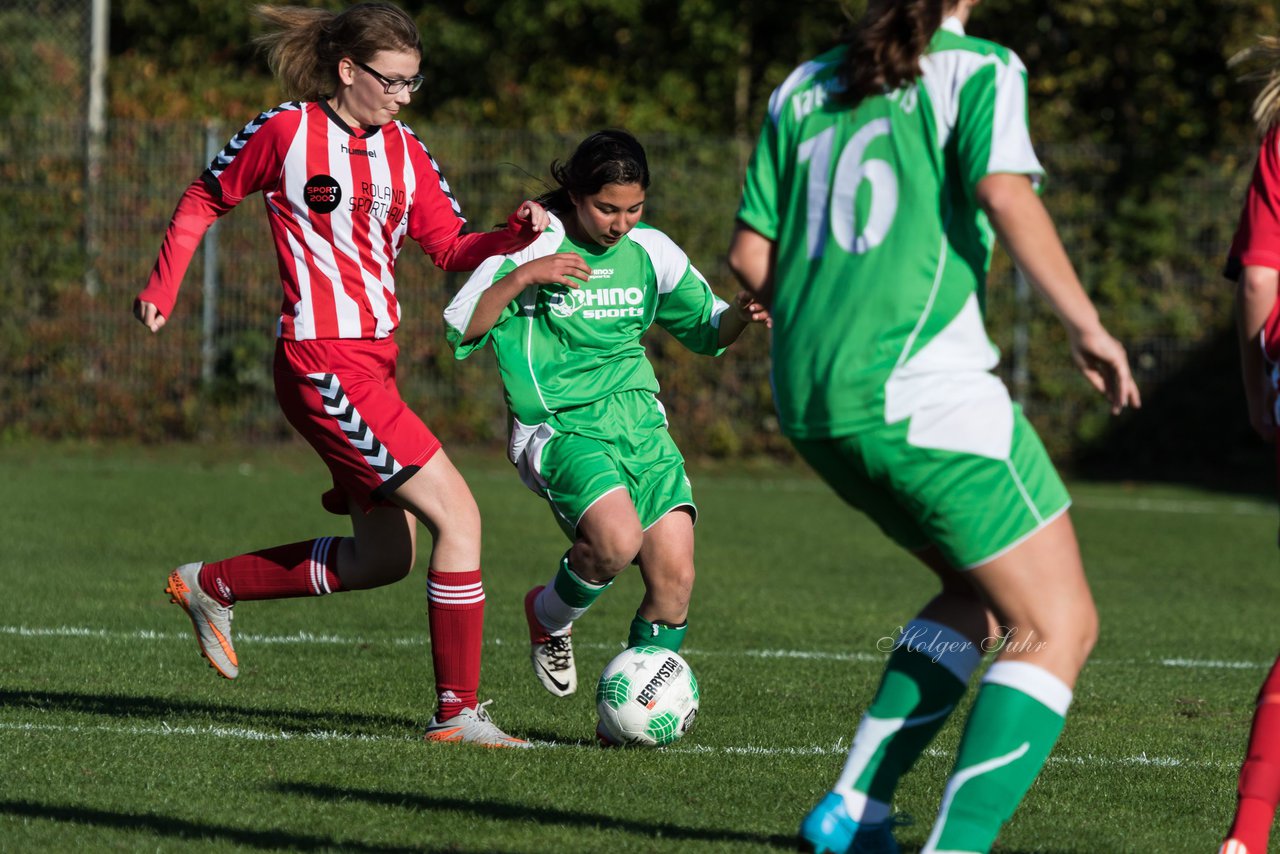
column 395, row 87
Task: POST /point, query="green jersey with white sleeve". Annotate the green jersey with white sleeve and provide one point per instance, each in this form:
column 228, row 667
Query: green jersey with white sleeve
column 882, row 248
column 559, row 348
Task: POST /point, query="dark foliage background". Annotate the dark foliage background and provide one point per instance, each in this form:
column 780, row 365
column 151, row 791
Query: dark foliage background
column 1144, row 130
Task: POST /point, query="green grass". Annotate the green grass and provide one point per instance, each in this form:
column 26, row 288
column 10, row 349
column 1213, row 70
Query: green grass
column 114, row 735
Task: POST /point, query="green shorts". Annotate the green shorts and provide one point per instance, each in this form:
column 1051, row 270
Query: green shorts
column 621, row 442
column 972, row 507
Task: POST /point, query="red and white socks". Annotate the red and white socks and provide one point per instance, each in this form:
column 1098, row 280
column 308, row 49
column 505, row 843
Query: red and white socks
column 455, row 608
column 455, row 605
column 308, row 568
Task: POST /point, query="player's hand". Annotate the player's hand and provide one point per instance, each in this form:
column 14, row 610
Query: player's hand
column 148, row 315
column 751, row 310
column 534, row 214
column 562, row 268
column 1105, row 365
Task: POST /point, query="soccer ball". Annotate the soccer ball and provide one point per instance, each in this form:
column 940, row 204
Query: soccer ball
column 647, row 696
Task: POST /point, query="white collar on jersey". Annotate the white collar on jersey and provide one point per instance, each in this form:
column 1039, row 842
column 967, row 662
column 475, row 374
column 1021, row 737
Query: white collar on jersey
column 952, row 24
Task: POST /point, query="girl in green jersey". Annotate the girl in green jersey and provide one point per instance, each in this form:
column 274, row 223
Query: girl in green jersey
column 565, row 317
column 882, row 171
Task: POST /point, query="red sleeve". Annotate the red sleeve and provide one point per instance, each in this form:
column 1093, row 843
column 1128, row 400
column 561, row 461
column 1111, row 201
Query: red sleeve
column 196, row 211
column 250, row 162
column 254, row 158
column 1257, row 239
column 468, row 251
column 435, row 220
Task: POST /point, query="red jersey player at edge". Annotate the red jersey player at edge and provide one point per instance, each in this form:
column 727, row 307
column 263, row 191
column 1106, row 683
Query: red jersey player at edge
column 1254, row 264
column 345, row 182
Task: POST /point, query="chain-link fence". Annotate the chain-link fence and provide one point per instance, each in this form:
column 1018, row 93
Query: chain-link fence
column 45, row 47
column 76, row 364
column 79, row 231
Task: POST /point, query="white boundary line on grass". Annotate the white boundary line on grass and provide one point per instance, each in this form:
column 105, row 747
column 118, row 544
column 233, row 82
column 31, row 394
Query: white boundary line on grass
column 839, row 748
column 358, row 640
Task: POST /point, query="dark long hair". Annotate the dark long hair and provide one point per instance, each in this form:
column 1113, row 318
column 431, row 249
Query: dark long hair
column 885, row 46
column 606, row 157
column 305, row 45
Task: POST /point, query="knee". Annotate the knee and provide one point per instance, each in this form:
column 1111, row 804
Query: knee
column 675, row 583
column 611, row 551
column 1066, row 637
column 1078, row 627
column 384, row 566
column 460, row 517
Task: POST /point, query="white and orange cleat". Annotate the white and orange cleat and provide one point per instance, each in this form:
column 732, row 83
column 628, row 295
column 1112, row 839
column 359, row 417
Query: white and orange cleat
column 211, row 620
column 1233, row 846
column 472, row 726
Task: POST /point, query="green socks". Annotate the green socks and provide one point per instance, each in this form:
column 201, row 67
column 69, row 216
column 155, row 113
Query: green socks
column 925, row 677
column 568, row 597
column 565, row 599
column 665, row 635
column 1017, row 717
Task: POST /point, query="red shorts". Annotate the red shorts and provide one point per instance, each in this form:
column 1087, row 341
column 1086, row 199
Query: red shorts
column 341, row 395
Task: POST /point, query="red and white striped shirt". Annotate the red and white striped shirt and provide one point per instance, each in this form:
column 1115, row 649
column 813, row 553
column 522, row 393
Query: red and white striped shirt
column 340, row 204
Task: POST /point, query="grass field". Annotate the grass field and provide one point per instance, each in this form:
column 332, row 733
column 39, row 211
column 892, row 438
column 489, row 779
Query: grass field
column 114, row 735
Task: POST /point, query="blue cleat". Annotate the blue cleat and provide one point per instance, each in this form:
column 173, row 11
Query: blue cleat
column 828, row 829
column 875, row 839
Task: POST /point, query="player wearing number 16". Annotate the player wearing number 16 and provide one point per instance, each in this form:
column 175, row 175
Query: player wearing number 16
column 882, row 171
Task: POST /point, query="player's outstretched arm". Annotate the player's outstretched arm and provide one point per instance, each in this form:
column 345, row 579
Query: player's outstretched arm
column 562, row 268
column 197, row 210
column 1027, row 233
column 742, row 312
column 751, row 258
column 468, row 251
column 1255, row 297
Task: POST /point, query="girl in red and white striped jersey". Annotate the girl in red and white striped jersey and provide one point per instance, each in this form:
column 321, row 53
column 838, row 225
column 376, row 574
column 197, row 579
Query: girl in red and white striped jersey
column 1254, row 264
column 345, row 182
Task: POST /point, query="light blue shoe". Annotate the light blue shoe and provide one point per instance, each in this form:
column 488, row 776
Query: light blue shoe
column 828, row 829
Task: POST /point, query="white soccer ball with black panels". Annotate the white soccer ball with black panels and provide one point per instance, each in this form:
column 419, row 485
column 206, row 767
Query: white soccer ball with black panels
column 647, row 696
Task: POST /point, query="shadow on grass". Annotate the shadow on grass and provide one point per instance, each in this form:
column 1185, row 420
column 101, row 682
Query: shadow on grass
column 163, row 708
column 538, row 814
column 189, row 830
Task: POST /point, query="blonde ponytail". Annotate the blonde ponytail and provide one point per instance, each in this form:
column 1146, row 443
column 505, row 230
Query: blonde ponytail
column 1266, row 107
column 305, row 45
column 291, row 48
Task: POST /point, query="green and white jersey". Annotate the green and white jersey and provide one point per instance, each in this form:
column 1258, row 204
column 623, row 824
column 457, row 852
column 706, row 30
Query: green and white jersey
column 560, row 348
column 882, row 249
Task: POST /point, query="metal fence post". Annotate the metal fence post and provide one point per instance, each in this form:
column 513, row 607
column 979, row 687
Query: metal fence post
column 209, row 317
column 95, row 134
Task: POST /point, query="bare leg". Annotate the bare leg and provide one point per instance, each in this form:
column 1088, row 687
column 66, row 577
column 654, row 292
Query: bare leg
column 666, row 563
